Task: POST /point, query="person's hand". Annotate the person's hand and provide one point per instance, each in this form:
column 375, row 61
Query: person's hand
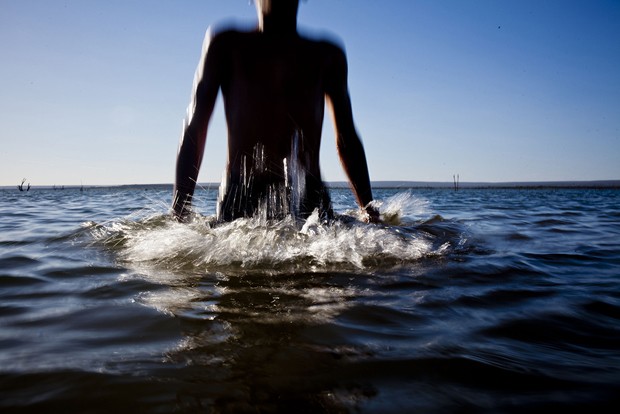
column 371, row 215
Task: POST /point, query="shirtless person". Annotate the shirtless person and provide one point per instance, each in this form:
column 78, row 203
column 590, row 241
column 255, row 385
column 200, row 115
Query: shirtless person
column 274, row 84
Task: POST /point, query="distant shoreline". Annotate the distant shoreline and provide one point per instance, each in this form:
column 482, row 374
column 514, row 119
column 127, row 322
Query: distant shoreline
column 491, row 185
column 597, row 184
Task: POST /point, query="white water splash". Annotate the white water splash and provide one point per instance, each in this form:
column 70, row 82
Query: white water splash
column 259, row 245
column 295, row 175
column 402, row 206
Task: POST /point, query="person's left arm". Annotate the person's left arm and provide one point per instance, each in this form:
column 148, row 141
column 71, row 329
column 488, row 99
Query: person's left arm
column 348, row 142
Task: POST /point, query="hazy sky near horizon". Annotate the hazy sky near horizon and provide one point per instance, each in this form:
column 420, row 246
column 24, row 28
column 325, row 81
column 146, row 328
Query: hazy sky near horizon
column 95, row 91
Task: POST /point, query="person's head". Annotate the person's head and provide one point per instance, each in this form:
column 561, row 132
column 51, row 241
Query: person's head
column 277, row 13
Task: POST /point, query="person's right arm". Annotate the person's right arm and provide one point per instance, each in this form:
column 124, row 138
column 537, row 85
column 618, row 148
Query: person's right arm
column 191, row 148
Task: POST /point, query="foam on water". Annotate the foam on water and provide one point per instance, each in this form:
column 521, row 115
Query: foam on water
column 261, row 245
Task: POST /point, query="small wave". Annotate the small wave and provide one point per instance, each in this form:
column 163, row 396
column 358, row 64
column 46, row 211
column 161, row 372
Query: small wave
column 17, row 261
column 273, row 246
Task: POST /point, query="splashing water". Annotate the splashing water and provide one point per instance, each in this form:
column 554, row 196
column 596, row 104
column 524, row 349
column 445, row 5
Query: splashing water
column 261, row 189
column 273, row 246
column 295, row 175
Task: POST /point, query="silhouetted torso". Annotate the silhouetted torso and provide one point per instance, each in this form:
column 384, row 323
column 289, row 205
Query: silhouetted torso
column 274, row 98
column 274, row 84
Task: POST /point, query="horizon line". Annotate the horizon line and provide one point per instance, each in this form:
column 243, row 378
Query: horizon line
column 613, row 183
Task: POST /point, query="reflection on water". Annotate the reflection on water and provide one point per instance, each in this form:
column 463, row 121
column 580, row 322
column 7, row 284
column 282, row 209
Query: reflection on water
column 257, row 341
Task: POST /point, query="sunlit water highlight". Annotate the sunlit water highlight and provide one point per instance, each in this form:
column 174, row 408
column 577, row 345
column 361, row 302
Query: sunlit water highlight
column 470, row 301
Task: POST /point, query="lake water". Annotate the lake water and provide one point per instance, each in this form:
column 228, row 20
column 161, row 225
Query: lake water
column 480, row 300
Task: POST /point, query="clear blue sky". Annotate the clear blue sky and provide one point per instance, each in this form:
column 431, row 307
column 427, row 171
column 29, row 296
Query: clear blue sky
column 95, row 91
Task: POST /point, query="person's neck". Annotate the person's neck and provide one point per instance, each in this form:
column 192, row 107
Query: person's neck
column 271, row 26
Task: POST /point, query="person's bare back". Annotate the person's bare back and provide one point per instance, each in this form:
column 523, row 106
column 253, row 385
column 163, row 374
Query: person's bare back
column 274, row 84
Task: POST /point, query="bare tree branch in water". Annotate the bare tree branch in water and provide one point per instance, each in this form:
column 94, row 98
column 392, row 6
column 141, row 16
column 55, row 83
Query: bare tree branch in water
column 20, row 187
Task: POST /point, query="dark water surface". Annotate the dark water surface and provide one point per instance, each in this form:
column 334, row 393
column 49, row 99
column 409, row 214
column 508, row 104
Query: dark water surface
column 472, row 301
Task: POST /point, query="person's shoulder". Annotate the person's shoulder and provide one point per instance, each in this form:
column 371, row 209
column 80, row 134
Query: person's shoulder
column 328, row 45
column 322, row 40
column 227, row 35
column 219, row 43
